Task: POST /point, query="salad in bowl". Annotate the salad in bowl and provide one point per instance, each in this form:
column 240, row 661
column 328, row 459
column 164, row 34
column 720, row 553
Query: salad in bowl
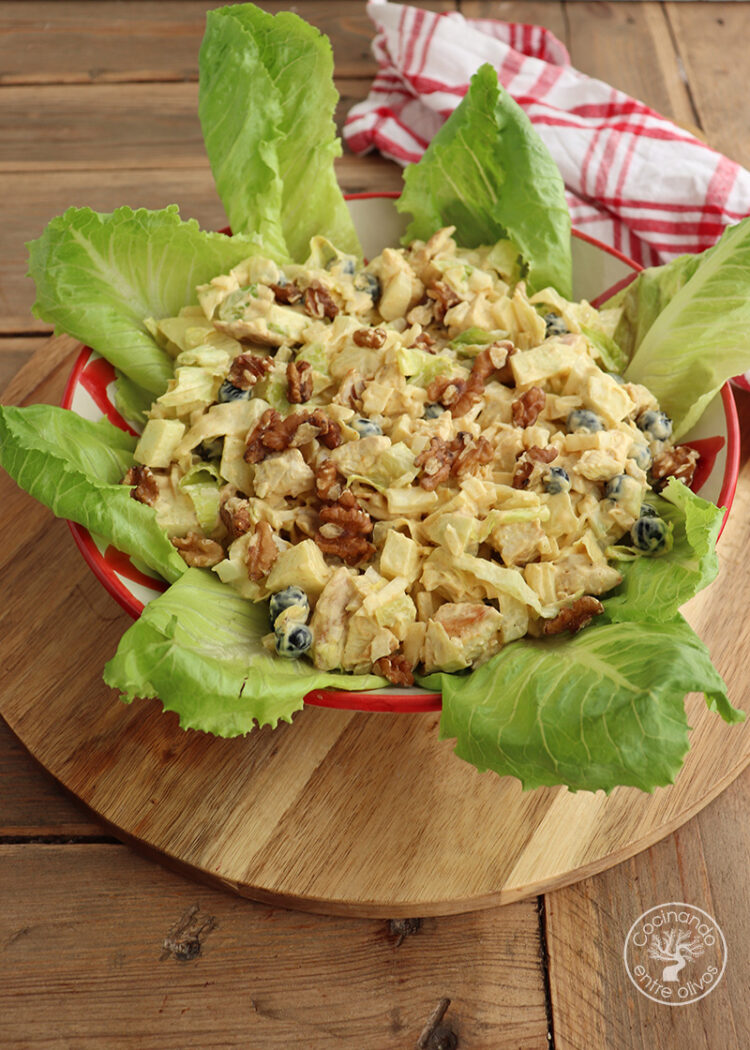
column 431, row 466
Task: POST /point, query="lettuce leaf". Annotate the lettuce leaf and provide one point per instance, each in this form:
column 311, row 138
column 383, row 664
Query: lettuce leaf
column 611, row 355
column 198, row 649
column 475, row 337
column 653, row 589
column 202, row 483
column 644, row 299
column 421, row 367
column 266, row 109
column 395, row 467
column 73, row 466
column 600, row 709
column 98, row 276
column 132, row 401
column 687, row 325
column 488, row 173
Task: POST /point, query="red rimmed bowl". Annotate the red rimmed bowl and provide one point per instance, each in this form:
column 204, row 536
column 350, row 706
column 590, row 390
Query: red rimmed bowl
column 597, row 272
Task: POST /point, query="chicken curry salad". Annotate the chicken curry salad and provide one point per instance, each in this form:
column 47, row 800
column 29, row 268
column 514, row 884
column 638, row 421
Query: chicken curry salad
column 413, row 462
column 434, row 465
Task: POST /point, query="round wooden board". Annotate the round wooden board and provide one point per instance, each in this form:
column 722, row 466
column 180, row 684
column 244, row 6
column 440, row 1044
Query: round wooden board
column 341, row 813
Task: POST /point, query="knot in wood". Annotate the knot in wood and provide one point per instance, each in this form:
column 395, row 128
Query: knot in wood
column 443, row 1038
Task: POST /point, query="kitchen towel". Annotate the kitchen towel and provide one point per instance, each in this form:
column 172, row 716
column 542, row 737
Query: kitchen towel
column 634, row 180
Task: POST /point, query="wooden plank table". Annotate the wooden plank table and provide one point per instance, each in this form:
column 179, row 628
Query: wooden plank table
column 100, row 947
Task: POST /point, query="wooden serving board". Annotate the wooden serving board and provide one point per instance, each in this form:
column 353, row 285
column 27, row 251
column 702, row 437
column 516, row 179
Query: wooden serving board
column 341, row 812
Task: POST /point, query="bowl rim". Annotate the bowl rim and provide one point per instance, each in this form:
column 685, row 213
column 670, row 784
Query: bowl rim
column 385, row 700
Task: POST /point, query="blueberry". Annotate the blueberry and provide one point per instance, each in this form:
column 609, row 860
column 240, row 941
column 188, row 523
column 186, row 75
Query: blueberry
column 554, row 325
column 293, row 639
column 649, row 534
column 647, row 511
column 229, row 392
column 582, row 421
column 284, row 599
column 432, row 411
column 366, row 427
column 657, row 425
column 642, row 456
column 368, row 282
column 557, row 481
column 211, row 448
column 345, row 266
column 617, row 487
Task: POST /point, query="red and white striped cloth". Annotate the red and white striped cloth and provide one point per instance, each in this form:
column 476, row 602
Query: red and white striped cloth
column 634, row 180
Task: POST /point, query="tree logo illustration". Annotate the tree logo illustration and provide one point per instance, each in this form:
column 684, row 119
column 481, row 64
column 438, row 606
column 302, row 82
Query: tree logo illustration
column 675, row 947
column 675, row 953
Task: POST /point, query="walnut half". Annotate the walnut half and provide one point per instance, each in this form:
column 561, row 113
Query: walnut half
column 525, row 463
column 235, row 513
column 299, row 381
column 575, row 617
column 678, row 462
column 525, row 410
column 198, row 551
column 344, row 529
column 262, row 552
column 146, row 489
column 444, row 459
column 274, row 434
column 395, row 668
column 247, row 369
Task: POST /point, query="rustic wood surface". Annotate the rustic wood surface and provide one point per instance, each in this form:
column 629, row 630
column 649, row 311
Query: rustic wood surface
column 84, row 921
column 302, row 816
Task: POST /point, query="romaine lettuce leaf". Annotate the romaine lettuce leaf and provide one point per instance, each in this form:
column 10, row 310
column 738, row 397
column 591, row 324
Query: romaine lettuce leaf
column 688, row 325
column 198, row 648
column 488, row 173
column 98, row 276
column 475, row 337
column 393, row 468
column 644, row 299
column 603, row 708
column 73, row 466
column 421, row 367
column 132, row 401
column 653, row 589
column 611, row 355
column 266, row 109
column 202, row 483
column 99, row 450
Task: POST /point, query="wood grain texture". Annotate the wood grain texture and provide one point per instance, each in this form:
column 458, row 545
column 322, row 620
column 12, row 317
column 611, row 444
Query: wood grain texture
column 305, row 815
column 19, row 326
column 594, row 1003
column 46, row 370
column 712, row 44
column 33, row 804
column 629, row 45
column 547, row 13
column 80, row 42
column 15, row 351
column 111, row 126
column 89, row 922
column 88, row 970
